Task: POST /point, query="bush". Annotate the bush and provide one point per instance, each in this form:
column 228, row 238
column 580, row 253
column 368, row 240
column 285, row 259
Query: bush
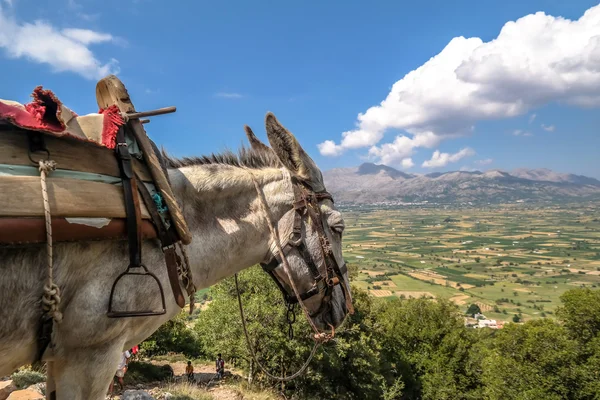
column 25, row 378
column 143, row 372
column 173, row 337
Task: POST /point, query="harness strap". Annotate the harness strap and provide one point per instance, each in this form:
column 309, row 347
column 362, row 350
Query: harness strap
column 132, row 202
column 167, row 239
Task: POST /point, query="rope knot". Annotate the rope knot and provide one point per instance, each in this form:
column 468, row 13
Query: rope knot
column 47, row 166
column 324, row 337
column 51, row 301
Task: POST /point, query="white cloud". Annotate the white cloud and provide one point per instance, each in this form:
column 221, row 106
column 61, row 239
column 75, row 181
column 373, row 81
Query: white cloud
column 329, row 148
column 9, row 3
column 407, row 163
column 519, row 132
column 228, row 95
column 535, row 60
column 549, row 128
column 532, row 118
column 396, row 152
column 442, row 159
column 86, row 36
column 65, row 50
column 486, row 161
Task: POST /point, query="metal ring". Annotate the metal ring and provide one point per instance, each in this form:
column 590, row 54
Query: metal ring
column 37, row 162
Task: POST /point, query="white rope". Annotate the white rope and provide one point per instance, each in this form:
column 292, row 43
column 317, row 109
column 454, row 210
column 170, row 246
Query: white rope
column 51, row 296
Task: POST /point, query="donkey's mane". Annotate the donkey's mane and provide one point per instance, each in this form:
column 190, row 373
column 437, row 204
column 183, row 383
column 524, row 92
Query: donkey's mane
column 246, row 157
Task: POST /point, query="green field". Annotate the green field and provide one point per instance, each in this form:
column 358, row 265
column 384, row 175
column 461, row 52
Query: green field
column 517, row 258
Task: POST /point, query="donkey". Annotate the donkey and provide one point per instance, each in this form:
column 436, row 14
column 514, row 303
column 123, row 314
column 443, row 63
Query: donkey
column 221, row 205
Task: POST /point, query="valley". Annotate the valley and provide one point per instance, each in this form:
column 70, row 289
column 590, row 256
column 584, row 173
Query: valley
column 511, row 260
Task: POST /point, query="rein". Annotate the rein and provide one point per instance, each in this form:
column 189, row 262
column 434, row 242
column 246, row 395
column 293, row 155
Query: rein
column 318, row 337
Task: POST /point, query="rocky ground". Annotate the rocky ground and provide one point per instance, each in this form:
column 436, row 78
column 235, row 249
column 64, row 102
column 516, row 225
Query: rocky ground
column 205, row 387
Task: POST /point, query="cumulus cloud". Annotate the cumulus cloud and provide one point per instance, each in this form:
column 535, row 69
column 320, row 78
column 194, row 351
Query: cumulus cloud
column 486, row 161
column 549, row 128
column 407, row 163
column 442, row 159
column 329, row 148
column 66, row 50
column 535, row 60
column 399, row 150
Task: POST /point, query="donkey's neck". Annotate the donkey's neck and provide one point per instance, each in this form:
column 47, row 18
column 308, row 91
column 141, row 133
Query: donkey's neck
column 225, row 216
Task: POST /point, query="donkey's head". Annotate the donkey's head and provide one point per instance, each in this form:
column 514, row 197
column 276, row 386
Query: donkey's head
column 311, row 235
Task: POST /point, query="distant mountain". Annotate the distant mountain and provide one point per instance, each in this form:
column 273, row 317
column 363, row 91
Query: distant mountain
column 373, row 169
column 375, row 184
column 546, row 175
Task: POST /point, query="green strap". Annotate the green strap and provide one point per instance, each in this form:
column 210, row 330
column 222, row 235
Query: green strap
column 26, row 170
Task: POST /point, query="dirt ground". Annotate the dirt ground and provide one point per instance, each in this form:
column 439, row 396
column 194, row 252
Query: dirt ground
column 204, row 374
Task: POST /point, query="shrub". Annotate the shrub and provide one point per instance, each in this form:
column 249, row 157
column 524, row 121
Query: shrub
column 25, row 378
column 142, row 372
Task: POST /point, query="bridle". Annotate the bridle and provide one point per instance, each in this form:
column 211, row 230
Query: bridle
column 326, row 274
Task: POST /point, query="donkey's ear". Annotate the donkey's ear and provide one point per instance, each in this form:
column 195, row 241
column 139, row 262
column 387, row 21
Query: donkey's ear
column 291, row 154
column 255, row 142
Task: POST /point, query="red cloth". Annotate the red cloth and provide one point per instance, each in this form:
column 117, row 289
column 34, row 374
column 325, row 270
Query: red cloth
column 112, row 121
column 42, row 114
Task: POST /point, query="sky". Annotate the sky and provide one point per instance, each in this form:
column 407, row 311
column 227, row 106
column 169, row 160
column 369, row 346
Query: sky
column 420, row 86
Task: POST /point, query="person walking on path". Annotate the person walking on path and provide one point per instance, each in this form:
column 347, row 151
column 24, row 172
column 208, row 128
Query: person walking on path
column 120, row 374
column 189, row 371
column 220, row 365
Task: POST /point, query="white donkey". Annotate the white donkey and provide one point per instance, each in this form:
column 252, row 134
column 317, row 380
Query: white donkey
column 230, row 233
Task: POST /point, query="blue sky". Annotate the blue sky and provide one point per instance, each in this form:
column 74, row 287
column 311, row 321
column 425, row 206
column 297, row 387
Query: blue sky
column 529, row 99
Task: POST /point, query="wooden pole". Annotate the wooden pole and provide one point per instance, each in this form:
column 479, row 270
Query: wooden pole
column 151, row 113
column 111, row 90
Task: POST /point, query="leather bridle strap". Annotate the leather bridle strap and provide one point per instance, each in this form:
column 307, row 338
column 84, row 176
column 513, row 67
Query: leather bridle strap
column 319, row 336
column 306, row 204
column 326, row 250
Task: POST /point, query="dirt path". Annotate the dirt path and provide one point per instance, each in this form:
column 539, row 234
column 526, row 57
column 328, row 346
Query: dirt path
column 205, row 376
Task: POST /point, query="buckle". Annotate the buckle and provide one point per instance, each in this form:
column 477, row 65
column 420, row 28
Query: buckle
column 167, row 248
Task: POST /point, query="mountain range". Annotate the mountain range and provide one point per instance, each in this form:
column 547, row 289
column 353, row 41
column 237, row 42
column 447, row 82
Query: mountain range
column 380, row 184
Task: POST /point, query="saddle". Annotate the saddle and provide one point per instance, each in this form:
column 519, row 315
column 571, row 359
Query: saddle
column 105, row 163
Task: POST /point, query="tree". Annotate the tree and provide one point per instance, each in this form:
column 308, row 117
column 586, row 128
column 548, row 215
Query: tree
column 173, row 336
column 538, row 359
column 353, row 369
column 427, row 343
column 580, row 313
column 473, row 309
column 516, row 318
